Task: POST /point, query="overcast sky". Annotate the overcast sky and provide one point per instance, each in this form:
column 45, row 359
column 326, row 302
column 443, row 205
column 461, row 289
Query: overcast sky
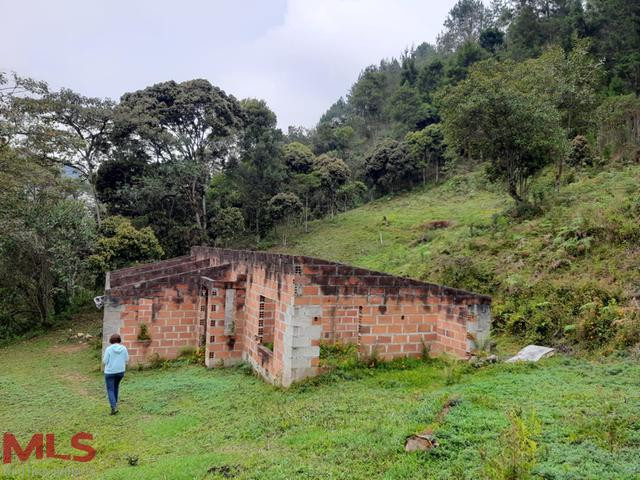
column 298, row 55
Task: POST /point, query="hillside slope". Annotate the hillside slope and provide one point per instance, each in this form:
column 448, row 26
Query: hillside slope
column 562, row 275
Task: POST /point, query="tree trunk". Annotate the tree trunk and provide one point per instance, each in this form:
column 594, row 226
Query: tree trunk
column 306, row 214
column 94, row 194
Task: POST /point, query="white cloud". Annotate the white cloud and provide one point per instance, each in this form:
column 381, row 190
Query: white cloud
column 299, row 55
column 311, row 59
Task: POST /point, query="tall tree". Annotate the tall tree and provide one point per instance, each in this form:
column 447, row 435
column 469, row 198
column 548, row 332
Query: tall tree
column 68, row 129
column 466, row 20
column 259, row 171
column 615, row 26
column 492, row 117
column 409, row 110
column 45, row 237
column 427, row 148
column 572, row 81
column 298, row 157
column 536, row 24
column 368, row 94
column 390, row 167
column 192, row 125
column 332, row 173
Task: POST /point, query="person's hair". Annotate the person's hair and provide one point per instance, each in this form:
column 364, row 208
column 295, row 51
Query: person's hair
column 115, row 338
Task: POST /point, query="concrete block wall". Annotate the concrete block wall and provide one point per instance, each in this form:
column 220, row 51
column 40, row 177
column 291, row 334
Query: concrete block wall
column 171, row 319
column 389, row 316
column 212, row 298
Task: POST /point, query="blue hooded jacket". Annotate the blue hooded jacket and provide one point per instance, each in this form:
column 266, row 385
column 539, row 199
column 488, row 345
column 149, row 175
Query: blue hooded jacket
column 115, row 358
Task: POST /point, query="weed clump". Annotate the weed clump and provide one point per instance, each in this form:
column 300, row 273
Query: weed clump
column 193, row 356
column 518, row 449
column 143, row 334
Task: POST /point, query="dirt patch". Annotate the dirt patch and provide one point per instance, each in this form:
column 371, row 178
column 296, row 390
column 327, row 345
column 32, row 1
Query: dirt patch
column 77, row 381
column 69, row 347
column 426, row 440
column 436, row 224
column 225, row 471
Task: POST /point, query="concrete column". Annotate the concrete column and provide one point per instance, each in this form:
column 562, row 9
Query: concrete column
column 302, row 326
column 480, row 328
column 229, row 311
column 111, row 320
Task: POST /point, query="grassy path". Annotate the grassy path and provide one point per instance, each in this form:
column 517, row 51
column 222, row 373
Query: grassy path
column 189, row 423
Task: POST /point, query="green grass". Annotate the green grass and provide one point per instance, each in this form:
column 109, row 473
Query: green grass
column 384, row 234
column 183, row 421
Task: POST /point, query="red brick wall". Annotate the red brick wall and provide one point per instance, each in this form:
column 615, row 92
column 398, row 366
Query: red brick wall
column 392, row 316
column 182, row 299
column 277, row 289
column 171, row 319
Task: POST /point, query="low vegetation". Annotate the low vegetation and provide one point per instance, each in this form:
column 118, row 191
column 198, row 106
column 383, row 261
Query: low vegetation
column 183, row 421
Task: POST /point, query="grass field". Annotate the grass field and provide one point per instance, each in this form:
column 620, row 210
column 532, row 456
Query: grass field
column 186, row 422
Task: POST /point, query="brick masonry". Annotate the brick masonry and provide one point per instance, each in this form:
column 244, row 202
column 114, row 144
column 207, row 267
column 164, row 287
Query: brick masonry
column 274, row 310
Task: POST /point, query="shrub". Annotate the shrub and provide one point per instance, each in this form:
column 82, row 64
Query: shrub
column 194, row 356
column 596, row 322
column 120, row 244
column 452, row 373
column 340, row 355
column 580, row 154
column 464, row 272
column 156, row 361
column 518, row 449
column 627, row 329
column 525, row 210
column 576, row 239
column 546, row 312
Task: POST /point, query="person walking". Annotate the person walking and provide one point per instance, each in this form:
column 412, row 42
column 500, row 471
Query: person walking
column 115, row 361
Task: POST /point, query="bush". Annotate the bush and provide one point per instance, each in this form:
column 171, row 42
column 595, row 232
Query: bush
column 546, row 312
column 525, row 211
column 519, row 449
column 80, row 302
column 464, row 272
column 156, row 361
column 195, row 356
column 338, row 355
column 628, row 330
column 120, row 244
column 580, row 154
column 596, row 323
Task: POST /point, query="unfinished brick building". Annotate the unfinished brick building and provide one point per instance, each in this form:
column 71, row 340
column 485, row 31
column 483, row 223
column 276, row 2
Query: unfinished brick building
column 274, row 310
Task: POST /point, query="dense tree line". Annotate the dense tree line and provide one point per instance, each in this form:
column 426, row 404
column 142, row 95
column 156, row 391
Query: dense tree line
column 407, row 121
column 88, row 185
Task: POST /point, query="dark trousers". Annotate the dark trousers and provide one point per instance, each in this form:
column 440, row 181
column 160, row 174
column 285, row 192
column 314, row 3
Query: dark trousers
column 112, row 380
